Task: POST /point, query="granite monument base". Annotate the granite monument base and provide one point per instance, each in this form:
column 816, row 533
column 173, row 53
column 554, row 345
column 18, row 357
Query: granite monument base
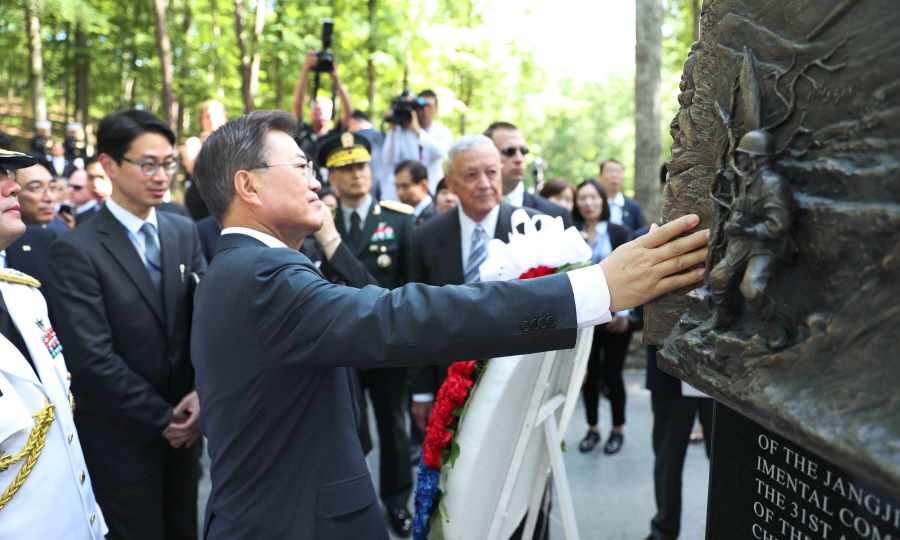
column 764, row 487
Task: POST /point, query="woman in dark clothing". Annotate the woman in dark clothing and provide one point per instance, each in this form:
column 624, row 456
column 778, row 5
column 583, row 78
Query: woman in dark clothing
column 611, row 340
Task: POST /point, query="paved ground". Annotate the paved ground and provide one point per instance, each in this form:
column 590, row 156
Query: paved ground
column 613, row 495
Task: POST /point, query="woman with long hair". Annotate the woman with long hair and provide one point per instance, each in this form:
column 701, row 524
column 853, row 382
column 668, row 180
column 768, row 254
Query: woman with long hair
column 611, row 340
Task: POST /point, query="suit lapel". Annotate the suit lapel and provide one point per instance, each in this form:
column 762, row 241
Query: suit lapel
column 120, row 248
column 504, row 223
column 170, row 253
column 449, row 248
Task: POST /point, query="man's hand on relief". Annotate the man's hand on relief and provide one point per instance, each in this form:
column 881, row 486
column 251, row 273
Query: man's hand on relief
column 649, row 266
column 185, row 426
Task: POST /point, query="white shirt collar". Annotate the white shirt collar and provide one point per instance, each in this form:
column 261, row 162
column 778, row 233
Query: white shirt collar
column 87, row 206
column 362, row 210
column 618, row 200
column 129, row 220
column 516, row 197
column 265, row 238
column 421, row 206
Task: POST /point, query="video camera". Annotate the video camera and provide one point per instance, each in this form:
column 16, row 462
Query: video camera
column 403, row 106
column 325, row 56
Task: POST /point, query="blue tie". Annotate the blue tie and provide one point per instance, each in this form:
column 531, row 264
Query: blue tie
column 151, row 254
column 477, row 255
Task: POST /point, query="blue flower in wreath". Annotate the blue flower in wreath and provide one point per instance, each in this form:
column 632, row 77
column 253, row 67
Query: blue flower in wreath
column 427, row 492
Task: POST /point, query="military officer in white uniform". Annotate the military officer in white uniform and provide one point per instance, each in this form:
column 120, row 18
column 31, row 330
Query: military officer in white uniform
column 45, row 488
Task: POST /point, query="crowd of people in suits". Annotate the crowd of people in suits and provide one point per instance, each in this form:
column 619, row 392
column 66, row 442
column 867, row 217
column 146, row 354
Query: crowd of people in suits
column 119, row 269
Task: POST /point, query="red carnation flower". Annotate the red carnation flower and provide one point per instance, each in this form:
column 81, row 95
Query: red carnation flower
column 537, row 271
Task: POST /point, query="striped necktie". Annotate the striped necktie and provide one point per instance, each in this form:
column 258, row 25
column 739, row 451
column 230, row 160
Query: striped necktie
column 151, row 254
column 477, row 255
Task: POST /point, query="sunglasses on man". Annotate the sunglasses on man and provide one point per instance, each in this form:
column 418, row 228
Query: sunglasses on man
column 511, row 151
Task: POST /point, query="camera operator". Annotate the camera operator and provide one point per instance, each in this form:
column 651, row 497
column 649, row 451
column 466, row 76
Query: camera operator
column 311, row 134
column 421, row 139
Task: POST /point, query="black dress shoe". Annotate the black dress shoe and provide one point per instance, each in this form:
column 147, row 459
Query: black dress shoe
column 614, row 443
column 401, row 521
column 590, row 441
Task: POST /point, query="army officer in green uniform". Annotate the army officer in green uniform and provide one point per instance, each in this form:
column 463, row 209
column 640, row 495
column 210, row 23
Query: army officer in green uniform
column 379, row 234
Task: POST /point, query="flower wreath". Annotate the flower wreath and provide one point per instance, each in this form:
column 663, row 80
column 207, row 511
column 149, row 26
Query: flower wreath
column 540, row 252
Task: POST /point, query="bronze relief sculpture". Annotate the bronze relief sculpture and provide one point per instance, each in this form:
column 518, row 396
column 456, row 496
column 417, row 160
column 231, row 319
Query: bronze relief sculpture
column 787, row 144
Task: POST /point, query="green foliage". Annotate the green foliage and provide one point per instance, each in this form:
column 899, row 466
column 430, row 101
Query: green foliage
column 438, row 44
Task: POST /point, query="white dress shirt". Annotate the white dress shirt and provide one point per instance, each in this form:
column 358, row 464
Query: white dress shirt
column 362, row 211
column 265, row 238
column 616, row 208
column 86, row 206
column 423, row 204
column 516, row 197
column 133, row 225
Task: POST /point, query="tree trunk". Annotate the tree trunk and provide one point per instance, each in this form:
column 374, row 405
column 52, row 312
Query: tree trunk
column 66, row 100
column 217, row 34
column 250, row 95
column 370, row 63
column 648, row 145
column 82, row 77
column 276, row 62
column 242, row 46
column 36, row 78
column 162, row 41
column 184, row 121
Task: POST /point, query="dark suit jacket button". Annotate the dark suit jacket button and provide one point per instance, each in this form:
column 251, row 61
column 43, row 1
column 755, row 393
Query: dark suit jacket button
column 542, row 322
column 525, row 326
column 551, row 321
column 535, row 324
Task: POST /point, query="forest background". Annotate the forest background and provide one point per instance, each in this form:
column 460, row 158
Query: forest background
column 563, row 71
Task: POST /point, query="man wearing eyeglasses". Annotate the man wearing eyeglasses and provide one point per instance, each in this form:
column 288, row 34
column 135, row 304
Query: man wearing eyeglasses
column 511, row 144
column 422, row 139
column 120, row 290
column 37, row 201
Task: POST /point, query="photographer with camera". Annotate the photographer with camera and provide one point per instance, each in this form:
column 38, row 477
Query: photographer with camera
column 317, row 129
column 415, row 135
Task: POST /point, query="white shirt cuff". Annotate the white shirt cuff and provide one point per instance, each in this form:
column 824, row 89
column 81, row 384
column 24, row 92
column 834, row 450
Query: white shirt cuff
column 419, row 398
column 591, row 296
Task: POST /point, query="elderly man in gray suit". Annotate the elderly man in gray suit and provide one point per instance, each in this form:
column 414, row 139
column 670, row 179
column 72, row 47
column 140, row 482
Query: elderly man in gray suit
column 273, row 341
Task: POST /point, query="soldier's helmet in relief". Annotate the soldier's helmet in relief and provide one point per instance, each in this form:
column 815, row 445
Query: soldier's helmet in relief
column 757, row 143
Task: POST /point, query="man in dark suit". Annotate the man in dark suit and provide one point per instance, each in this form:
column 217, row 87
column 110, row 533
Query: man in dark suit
column 411, row 181
column 449, row 249
column 444, row 251
column 511, row 144
column 675, row 405
column 378, row 233
column 120, row 289
column 30, row 254
column 622, row 210
column 100, row 187
column 273, row 339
